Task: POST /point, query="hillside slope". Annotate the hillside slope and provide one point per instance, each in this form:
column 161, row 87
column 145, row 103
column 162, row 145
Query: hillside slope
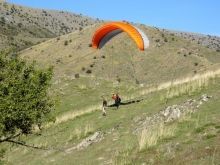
column 167, row 58
column 22, row 26
column 170, row 101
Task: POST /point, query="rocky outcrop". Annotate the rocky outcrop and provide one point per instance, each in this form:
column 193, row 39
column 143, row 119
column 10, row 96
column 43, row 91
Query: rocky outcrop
column 169, row 114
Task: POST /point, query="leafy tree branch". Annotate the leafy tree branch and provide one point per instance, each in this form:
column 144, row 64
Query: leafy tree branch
column 24, row 100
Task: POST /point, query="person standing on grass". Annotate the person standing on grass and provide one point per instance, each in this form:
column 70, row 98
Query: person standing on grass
column 104, row 105
column 117, row 99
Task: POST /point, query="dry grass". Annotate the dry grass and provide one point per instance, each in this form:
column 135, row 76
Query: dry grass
column 187, row 85
column 197, row 122
column 78, row 132
column 149, row 138
column 88, row 128
column 122, row 156
column 185, row 117
column 73, row 114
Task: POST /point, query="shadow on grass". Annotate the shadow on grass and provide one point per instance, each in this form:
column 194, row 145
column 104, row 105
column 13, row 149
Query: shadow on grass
column 125, row 103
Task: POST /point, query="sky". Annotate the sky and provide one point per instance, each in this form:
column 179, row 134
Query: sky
column 198, row 16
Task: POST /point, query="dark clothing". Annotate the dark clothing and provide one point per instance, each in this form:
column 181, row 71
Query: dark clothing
column 104, row 103
column 117, row 101
column 104, row 107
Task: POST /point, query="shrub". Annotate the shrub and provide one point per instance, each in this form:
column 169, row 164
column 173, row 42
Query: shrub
column 83, row 68
column 66, row 43
column 90, row 45
column 89, row 71
column 77, row 75
column 19, row 24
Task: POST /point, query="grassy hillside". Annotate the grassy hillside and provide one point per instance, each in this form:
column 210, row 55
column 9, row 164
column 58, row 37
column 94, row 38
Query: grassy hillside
column 120, row 137
column 168, row 57
column 174, row 73
column 170, row 94
column 22, row 26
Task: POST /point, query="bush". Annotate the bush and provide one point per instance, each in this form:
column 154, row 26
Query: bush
column 89, row 71
column 77, row 75
column 90, row 45
column 66, row 43
column 83, row 68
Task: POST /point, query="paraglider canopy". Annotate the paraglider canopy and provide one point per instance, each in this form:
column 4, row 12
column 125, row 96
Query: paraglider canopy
column 109, row 30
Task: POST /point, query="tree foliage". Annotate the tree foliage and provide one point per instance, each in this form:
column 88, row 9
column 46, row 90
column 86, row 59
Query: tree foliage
column 24, row 100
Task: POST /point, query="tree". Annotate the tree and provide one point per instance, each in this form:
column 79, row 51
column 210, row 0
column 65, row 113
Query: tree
column 24, row 100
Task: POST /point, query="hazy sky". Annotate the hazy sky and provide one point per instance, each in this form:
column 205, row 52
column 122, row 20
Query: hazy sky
column 199, row 16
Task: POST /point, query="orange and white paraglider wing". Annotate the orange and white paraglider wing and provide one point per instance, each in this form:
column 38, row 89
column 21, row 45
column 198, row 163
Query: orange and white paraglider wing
column 108, row 31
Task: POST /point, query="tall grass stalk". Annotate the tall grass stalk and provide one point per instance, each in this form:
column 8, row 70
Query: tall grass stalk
column 149, row 138
column 78, row 132
column 88, row 128
column 185, row 117
column 197, row 122
column 121, row 157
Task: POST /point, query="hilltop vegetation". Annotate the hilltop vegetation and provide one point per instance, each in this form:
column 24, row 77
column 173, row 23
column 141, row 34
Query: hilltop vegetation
column 22, row 26
column 170, row 98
